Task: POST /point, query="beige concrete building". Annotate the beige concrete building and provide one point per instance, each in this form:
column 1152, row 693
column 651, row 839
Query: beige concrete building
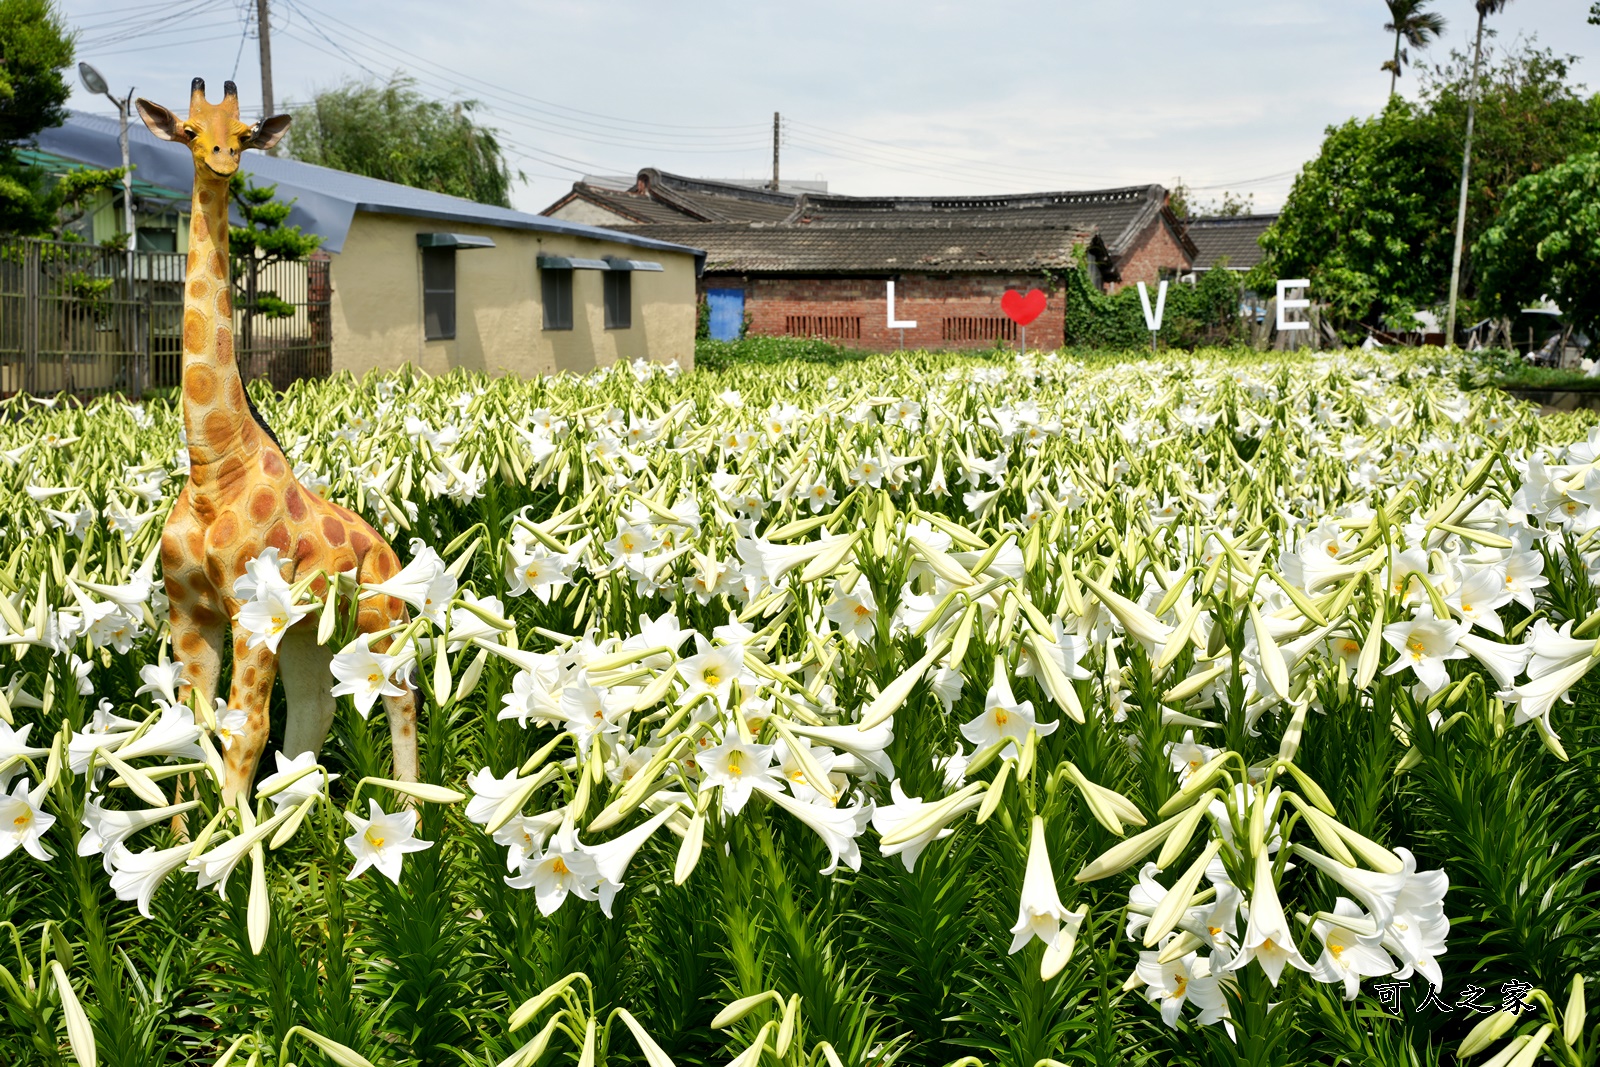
column 532, row 302
column 424, row 278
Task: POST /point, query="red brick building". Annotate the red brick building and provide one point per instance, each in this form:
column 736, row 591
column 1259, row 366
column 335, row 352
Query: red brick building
column 812, row 264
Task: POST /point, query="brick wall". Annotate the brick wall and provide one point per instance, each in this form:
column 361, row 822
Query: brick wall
column 1156, row 249
column 951, row 311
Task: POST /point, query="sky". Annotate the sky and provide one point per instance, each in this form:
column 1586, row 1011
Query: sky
column 877, row 97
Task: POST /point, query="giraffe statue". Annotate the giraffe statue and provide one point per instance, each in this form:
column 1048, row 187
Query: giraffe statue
column 242, row 496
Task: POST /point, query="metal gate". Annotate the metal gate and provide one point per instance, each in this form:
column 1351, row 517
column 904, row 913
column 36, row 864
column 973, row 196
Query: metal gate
column 82, row 319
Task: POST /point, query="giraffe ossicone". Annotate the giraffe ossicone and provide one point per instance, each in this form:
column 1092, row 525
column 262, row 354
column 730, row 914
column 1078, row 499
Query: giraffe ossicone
column 242, row 496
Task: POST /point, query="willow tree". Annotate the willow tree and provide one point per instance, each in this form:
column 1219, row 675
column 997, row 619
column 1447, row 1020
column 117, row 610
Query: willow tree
column 393, row 132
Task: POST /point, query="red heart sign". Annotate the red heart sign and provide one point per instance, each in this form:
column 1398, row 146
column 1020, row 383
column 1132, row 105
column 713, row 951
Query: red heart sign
column 1022, row 309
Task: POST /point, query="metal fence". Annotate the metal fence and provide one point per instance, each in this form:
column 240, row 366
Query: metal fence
column 82, row 319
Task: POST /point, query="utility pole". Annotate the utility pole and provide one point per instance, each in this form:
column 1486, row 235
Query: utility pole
column 775, row 134
column 264, row 35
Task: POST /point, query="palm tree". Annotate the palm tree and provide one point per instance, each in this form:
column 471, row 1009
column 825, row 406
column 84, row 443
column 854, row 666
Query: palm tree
column 1413, row 26
column 1485, row 9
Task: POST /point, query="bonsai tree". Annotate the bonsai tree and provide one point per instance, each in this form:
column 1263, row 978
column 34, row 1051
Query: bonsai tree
column 265, row 239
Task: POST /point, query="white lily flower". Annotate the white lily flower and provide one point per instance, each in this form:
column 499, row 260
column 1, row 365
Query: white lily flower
column 887, row 818
column 1347, row 955
column 737, row 768
column 137, row 875
column 382, row 841
column 303, row 784
column 611, row 858
column 1004, row 717
column 1267, row 937
column 104, row 830
column 1425, row 644
column 563, row 868
column 837, row 826
column 364, row 675
column 23, row 822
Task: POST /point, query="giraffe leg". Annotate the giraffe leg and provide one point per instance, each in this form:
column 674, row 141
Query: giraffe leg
column 308, row 687
column 403, row 734
column 253, row 671
column 197, row 641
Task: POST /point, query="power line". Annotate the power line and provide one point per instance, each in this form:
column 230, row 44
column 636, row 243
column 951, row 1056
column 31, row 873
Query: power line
column 155, row 35
column 532, row 99
column 166, row 44
column 110, row 35
column 520, row 116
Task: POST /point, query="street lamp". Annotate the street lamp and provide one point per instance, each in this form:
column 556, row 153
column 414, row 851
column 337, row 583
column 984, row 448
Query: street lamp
column 95, row 83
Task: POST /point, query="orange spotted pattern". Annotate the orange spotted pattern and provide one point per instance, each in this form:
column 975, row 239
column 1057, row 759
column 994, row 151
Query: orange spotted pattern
column 242, row 495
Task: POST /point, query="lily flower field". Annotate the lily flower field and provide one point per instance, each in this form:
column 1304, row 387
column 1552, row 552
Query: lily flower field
column 927, row 710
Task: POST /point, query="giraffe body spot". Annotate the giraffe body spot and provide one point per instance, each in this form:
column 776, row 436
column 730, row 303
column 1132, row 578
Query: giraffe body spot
column 295, row 501
column 272, row 463
column 204, row 616
column 199, row 384
column 305, row 549
column 191, row 643
column 224, row 344
column 230, row 474
column 278, row 538
column 360, row 542
column 333, row 530
column 224, row 529
column 262, row 502
column 198, row 289
column 218, row 428
column 194, row 331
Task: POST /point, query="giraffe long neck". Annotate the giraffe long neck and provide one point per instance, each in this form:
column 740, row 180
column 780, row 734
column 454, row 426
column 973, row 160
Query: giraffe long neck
column 215, row 410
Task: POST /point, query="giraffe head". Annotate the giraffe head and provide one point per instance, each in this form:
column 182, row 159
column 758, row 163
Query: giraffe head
column 213, row 132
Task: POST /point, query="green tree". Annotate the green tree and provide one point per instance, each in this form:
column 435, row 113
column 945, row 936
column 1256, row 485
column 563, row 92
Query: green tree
column 1413, row 26
column 265, row 238
column 393, row 132
column 1364, row 221
column 34, row 49
column 1546, row 242
column 1371, row 220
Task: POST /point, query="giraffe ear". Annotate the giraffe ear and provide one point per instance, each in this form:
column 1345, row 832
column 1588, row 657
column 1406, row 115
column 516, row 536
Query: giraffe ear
column 268, row 132
column 163, row 123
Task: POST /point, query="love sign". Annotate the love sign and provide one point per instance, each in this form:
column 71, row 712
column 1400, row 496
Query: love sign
column 1023, row 308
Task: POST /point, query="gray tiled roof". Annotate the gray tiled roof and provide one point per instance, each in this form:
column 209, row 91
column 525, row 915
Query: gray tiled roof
column 825, row 249
column 325, row 200
column 1237, row 237
column 1119, row 216
column 658, row 197
column 634, row 209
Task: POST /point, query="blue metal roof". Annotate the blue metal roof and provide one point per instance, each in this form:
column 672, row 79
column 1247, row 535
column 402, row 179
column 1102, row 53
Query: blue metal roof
column 325, row 200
